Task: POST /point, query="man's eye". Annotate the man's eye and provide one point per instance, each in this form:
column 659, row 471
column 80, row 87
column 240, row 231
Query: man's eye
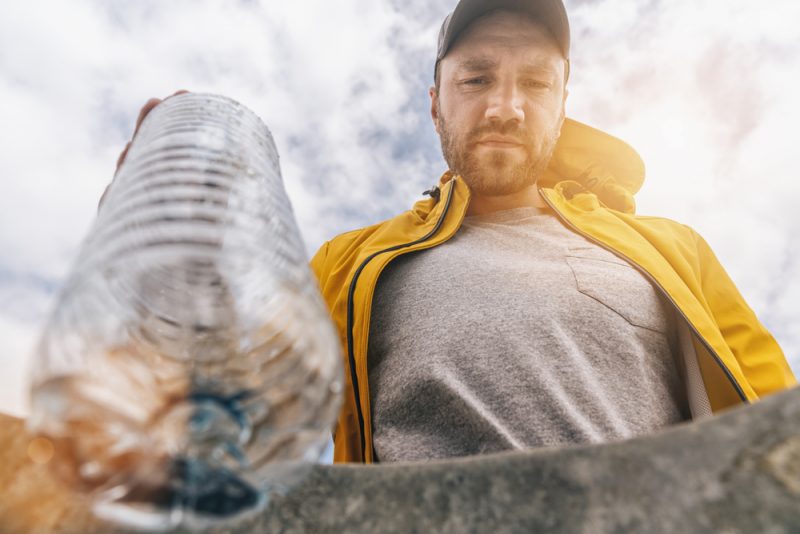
column 475, row 81
column 537, row 84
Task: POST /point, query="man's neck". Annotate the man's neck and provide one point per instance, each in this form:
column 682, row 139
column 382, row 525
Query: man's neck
column 528, row 197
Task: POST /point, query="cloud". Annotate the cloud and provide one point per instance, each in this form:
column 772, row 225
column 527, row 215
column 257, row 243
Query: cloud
column 327, row 78
column 703, row 90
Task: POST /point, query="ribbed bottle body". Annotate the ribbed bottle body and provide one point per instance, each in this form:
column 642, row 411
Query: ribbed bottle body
column 189, row 358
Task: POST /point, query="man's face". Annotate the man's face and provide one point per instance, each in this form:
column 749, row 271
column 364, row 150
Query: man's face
column 500, row 104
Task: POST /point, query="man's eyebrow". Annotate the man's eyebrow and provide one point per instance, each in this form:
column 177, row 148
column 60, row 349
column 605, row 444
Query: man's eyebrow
column 536, row 68
column 474, row 64
column 477, row 63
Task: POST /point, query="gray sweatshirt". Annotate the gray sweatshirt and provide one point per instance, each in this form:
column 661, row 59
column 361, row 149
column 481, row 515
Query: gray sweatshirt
column 517, row 333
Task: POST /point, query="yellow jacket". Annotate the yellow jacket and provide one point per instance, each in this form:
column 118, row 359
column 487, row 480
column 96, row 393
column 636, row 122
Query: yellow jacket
column 729, row 358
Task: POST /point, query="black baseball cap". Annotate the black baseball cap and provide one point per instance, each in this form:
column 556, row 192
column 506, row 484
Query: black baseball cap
column 551, row 13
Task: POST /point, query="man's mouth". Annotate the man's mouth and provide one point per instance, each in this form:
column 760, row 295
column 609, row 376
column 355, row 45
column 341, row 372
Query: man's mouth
column 499, row 141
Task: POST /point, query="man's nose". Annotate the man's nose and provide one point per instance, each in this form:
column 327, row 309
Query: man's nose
column 505, row 104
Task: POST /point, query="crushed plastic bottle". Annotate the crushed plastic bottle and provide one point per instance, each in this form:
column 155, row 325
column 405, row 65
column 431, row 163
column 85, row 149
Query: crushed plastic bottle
column 189, row 362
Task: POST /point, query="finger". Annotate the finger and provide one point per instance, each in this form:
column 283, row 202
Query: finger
column 149, row 105
column 103, row 197
column 176, row 93
column 147, row 108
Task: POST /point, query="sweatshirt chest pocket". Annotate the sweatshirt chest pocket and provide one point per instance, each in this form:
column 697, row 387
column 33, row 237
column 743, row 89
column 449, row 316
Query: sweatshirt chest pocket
column 619, row 287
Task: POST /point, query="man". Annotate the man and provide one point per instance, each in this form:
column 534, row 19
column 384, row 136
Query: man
column 524, row 304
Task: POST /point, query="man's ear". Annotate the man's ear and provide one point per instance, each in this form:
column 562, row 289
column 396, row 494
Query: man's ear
column 434, row 108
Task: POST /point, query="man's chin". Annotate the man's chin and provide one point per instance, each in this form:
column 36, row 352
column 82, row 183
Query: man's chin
column 499, row 187
column 500, row 190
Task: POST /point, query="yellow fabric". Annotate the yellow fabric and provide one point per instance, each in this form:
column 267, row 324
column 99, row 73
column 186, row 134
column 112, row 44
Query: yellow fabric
column 590, row 186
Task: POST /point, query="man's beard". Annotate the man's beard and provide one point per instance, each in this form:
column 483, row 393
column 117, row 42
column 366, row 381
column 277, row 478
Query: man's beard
column 497, row 175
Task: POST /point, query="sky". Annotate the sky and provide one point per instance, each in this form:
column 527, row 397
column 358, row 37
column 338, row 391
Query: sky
column 705, row 90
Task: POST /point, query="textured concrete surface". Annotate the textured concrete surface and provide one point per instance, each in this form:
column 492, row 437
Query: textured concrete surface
column 737, row 472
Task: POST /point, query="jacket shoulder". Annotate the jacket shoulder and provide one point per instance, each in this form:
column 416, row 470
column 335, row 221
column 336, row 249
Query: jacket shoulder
column 346, row 245
column 657, row 220
column 331, row 249
column 676, row 229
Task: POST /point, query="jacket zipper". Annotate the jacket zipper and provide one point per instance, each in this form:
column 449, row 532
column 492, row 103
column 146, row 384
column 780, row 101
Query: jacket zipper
column 655, row 282
column 351, row 292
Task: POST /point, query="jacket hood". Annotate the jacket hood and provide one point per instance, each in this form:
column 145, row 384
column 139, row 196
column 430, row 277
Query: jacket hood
column 601, row 163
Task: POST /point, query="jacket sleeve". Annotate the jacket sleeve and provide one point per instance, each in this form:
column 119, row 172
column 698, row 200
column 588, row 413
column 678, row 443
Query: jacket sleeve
column 755, row 349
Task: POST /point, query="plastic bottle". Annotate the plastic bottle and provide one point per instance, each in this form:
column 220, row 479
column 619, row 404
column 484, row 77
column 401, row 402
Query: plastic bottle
column 189, row 361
